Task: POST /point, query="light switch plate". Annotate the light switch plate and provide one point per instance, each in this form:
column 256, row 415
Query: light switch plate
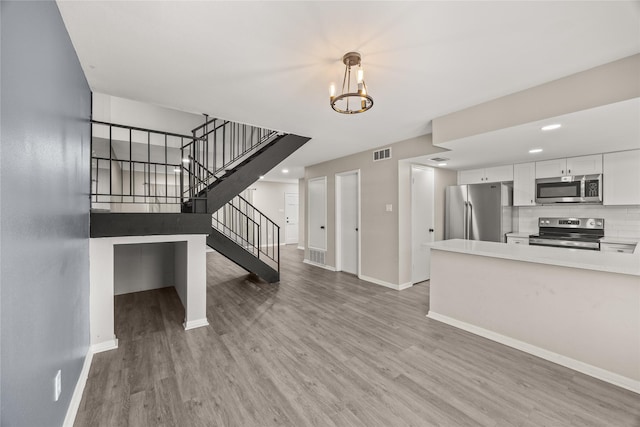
column 389, row 208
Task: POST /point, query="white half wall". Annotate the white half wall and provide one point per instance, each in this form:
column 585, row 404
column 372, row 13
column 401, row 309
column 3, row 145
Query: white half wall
column 583, row 319
column 142, row 267
column 190, row 258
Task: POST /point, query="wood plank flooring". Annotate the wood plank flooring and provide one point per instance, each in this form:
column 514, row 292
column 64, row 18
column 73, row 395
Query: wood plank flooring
column 325, row 349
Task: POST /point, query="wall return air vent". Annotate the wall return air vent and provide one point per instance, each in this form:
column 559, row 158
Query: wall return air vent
column 383, row 154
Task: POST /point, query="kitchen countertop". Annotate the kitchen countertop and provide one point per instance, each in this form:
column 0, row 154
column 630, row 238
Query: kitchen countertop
column 589, row 260
column 623, row 240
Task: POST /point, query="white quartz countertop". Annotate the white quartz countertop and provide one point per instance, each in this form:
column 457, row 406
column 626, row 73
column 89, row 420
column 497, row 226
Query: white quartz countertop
column 623, row 240
column 612, row 262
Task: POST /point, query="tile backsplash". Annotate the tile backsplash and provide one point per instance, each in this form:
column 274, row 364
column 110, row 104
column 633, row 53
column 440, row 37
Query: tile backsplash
column 619, row 221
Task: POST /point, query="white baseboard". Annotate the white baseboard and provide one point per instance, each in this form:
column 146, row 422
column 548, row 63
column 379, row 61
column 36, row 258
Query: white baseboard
column 576, row 365
column 192, row 324
column 407, row 285
column 326, row 267
column 386, row 284
column 105, row 346
column 76, row 397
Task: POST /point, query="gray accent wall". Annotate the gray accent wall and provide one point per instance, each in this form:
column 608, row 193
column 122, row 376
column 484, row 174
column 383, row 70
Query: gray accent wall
column 44, row 214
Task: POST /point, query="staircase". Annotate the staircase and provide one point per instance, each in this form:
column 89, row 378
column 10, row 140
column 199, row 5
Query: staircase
column 215, row 164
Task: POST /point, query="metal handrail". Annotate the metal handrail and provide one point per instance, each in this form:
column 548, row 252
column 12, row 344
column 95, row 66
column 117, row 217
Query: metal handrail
column 233, row 220
column 218, row 147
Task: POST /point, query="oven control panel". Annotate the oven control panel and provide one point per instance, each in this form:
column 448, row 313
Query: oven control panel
column 592, row 223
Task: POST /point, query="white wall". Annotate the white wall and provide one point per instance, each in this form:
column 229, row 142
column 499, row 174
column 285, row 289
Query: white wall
column 117, row 110
column 619, row 221
column 383, row 260
column 268, row 197
column 142, row 267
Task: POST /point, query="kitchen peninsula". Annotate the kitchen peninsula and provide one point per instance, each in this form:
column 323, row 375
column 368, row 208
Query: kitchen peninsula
column 580, row 309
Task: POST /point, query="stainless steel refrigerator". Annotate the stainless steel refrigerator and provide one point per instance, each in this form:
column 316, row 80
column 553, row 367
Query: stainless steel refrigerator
column 478, row 212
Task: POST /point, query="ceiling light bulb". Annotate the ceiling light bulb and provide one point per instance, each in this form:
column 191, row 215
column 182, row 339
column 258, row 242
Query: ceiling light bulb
column 332, row 90
column 551, row 127
column 442, row 164
column 285, row 170
column 536, row 150
column 261, row 176
column 360, row 75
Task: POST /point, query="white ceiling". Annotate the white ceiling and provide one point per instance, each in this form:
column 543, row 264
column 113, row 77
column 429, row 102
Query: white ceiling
column 612, row 127
column 270, row 63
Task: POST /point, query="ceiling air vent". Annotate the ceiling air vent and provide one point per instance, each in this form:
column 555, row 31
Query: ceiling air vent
column 438, row 159
column 383, row 154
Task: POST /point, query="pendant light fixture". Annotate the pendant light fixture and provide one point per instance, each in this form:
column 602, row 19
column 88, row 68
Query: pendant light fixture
column 353, row 98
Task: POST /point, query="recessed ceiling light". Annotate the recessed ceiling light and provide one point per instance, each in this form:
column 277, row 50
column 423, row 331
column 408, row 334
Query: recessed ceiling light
column 536, row 150
column 442, row 164
column 185, row 160
column 285, row 170
column 176, row 170
column 261, row 176
column 552, row 127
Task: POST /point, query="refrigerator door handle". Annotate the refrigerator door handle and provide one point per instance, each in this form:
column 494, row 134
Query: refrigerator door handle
column 469, row 221
column 465, row 221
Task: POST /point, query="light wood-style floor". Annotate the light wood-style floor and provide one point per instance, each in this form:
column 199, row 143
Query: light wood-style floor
column 325, row 349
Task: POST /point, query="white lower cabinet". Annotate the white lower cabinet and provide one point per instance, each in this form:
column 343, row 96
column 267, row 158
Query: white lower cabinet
column 517, row 240
column 625, row 248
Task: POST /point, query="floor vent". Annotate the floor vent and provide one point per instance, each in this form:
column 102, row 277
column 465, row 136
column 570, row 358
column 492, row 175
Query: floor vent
column 383, row 154
column 316, row 256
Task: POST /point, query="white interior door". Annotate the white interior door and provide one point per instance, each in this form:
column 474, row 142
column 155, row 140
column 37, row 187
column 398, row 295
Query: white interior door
column 291, row 218
column 317, row 191
column 347, row 226
column 422, row 220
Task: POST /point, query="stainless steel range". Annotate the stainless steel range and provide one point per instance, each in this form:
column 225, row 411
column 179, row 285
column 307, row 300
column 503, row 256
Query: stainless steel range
column 576, row 233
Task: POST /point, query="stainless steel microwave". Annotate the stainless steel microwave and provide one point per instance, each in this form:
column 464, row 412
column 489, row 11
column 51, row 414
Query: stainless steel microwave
column 569, row 189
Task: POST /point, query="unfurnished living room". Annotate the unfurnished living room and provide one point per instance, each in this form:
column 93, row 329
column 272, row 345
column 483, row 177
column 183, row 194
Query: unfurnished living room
column 309, row 213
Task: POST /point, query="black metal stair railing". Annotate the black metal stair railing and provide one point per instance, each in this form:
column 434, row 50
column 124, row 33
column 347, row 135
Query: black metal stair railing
column 139, row 166
column 218, row 145
column 243, row 223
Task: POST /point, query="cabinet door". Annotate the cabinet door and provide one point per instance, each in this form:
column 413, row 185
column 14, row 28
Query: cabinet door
column 617, row 247
column 499, row 174
column 518, row 241
column 524, row 184
column 584, row 165
column 551, row 168
column 621, row 178
column 472, row 176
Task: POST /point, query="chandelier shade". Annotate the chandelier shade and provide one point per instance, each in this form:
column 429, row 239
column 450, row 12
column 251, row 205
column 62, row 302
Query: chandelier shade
column 354, row 97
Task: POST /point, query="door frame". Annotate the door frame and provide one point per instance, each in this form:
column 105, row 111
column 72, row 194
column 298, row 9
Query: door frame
column 433, row 210
column 285, row 219
column 326, row 228
column 338, row 221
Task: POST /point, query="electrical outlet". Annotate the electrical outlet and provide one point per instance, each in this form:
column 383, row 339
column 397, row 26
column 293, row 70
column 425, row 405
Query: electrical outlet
column 57, row 386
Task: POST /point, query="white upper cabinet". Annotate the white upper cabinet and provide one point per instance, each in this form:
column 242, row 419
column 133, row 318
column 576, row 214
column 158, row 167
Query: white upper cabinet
column 551, row 168
column 499, row 174
column 621, row 178
column 481, row 176
column 583, row 165
column 524, row 184
column 472, row 176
